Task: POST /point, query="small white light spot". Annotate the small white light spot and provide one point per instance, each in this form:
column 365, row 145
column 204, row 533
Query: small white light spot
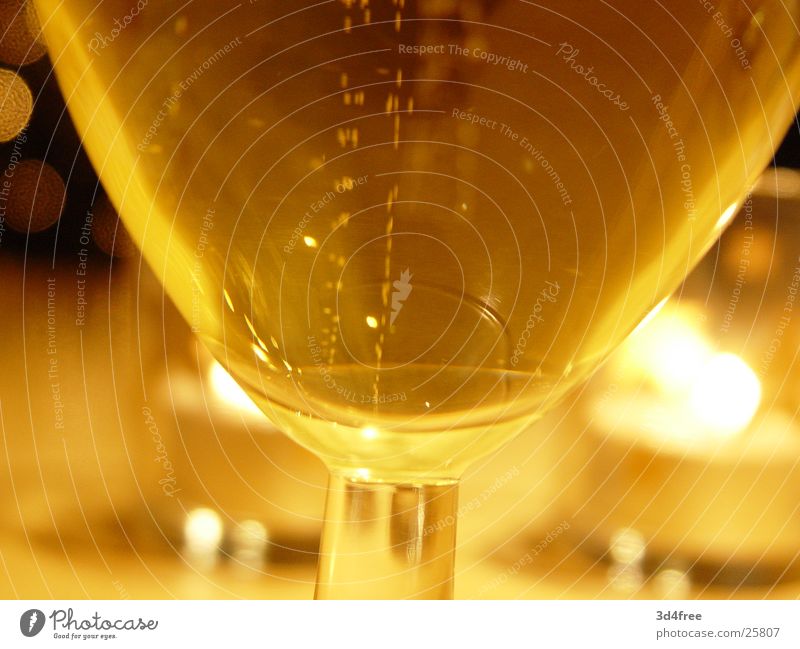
column 259, row 353
column 727, row 215
column 228, row 300
column 202, row 530
column 202, row 535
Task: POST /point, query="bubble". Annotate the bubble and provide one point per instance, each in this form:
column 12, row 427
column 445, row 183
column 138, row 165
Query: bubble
column 673, row 584
column 35, row 197
column 19, row 25
column 16, row 105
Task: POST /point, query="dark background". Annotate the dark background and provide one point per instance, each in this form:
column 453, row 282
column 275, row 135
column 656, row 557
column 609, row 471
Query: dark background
column 789, row 153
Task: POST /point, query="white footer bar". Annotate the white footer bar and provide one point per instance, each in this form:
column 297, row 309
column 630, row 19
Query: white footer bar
column 389, row 625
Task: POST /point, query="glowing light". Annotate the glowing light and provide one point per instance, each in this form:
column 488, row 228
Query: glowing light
column 311, row 242
column 202, row 530
column 673, row 584
column 625, row 579
column 364, row 474
column 250, row 326
column 671, row 350
column 725, row 395
column 650, row 316
column 727, row 215
column 228, row 390
column 249, row 541
column 369, row 433
column 228, row 300
column 627, row 546
column 259, row 353
column 372, row 322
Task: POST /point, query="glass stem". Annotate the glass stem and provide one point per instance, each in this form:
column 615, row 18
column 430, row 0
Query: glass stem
column 387, row 540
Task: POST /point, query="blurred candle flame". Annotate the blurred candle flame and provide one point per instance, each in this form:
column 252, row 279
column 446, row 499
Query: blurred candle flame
column 718, row 394
column 670, row 351
column 725, row 395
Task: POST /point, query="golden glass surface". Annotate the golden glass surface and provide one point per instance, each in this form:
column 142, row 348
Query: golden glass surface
column 408, row 229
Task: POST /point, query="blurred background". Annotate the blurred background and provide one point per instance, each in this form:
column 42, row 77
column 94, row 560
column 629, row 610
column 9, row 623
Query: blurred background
column 132, row 466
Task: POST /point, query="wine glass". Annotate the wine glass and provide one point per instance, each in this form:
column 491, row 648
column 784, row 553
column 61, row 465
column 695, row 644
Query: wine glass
column 408, row 228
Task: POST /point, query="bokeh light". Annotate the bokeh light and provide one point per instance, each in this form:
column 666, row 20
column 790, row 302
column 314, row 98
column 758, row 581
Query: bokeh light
column 36, row 197
column 16, row 105
column 21, row 41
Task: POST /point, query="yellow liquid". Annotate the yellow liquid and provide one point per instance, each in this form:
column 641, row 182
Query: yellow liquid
column 408, row 228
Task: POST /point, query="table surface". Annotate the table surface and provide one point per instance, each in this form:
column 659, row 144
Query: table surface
column 42, row 570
